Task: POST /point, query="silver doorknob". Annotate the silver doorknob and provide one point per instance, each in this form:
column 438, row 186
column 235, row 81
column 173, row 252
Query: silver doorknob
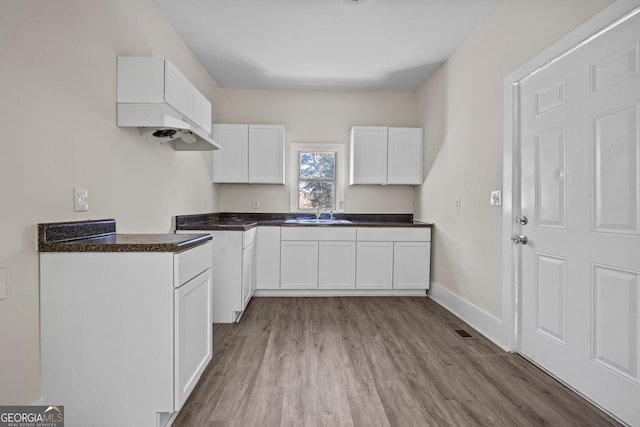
column 520, row 239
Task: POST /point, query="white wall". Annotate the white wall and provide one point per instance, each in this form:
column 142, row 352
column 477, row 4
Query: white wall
column 58, row 115
column 461, row 111
column 311, row 116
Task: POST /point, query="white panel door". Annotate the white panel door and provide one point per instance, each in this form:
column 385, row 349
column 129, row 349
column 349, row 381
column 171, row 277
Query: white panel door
column 192, row 334
column 200, row 110
column 337, row 265
column 248, row 282
column 411, row 265
column 231, row 162
column 404, row 163
column 267, row 249
column 374, row 265
column 580, row 188
column 266, row 154
column 368, row 155
column 177, row 89
column 299, row 264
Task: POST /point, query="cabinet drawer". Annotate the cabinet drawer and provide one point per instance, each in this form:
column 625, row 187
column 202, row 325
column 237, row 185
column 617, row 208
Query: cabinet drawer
column 189, row 264
column 318, row 233
column 394, row 234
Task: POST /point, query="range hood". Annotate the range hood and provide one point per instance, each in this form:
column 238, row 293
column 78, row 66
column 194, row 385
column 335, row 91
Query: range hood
column 161, row 123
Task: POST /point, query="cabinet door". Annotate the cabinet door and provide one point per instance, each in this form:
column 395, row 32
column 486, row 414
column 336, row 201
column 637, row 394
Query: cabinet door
column 177, row 89
column 140, row 80
column 404, row 156
column 411, row 261
column 227, row 275
column 374, row 265
column 201, row 110
column 368, row 155
column 266, row 154
column 230, row 163
column 337, row 265
column 299, row 265
column 268, row 258
column 192, row 334
column 247, row 275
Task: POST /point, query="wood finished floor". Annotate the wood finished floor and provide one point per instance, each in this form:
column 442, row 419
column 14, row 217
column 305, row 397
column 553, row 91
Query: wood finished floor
column 371, row 362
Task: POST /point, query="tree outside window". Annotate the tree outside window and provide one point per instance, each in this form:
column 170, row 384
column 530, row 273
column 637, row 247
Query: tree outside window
column 317, row 179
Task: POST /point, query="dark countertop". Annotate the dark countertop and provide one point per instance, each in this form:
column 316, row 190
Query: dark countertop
column 101, row 236
column 245, row 221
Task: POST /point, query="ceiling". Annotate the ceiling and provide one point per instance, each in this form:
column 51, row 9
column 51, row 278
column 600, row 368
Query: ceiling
column 379, row 45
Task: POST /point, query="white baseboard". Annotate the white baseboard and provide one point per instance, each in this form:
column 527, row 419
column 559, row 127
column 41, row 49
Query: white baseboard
column 340, row 293
column 477, row 318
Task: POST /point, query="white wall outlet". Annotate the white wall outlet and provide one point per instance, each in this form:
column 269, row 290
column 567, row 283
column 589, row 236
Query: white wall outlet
column 459, row 203
column 496, row 198
column 3, row 283
column 80, row 199
column 255, row 204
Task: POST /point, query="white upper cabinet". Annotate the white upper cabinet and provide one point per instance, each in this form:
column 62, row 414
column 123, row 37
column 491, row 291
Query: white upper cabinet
column 368, row 155
column 404, row 156
column 231, row 162
column 151, row 80
column 177, row 89
column 386, row 155
column 250, row 154
column 201, row 110
column 266, row 154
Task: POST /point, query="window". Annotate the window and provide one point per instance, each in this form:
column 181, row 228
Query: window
column 335, row 183
column 316, row 179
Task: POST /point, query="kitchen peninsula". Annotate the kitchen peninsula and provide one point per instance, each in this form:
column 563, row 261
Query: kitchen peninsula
column 125, row 321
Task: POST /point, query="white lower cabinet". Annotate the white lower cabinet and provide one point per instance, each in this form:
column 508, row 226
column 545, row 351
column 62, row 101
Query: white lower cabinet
column 336, row 265
column 248, row 282
column 192, row 324
column 393, row 258
column 234, row 281
column 325, row 260
column 124, row 336
column 299, row 266
column 317, row 257
column 374, row 265
column 267, row 249
column 411, row 264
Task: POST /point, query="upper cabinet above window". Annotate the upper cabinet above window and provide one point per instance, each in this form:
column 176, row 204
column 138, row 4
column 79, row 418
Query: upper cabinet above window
column 386, row 155
column 250, row 154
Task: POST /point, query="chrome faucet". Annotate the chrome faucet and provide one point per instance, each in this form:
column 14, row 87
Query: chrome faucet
column 319, row 212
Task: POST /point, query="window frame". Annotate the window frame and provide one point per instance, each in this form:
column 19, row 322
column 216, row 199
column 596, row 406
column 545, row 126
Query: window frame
column 333, row 180
column 340, row 159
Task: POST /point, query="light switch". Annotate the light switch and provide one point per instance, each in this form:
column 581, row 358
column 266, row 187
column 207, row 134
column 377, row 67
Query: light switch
column 496, row 198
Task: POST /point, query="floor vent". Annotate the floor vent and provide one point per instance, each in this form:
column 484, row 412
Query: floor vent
column 463, row 333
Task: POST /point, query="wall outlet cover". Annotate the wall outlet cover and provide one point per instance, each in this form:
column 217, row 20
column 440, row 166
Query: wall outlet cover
column 80, row 200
